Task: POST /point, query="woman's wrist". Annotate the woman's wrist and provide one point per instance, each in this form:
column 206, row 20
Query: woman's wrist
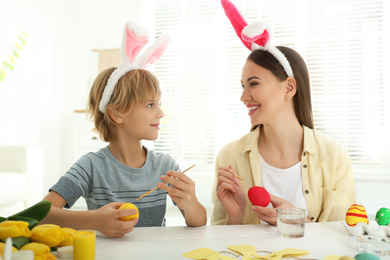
column 233, row 220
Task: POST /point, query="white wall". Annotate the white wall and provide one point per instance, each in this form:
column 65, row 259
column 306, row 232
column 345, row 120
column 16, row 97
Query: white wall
column 55, row 69
column 372, row 191
column 32, row 95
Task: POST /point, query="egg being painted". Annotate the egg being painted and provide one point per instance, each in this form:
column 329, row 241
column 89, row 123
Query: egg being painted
column 355, row 214
column 383, row 216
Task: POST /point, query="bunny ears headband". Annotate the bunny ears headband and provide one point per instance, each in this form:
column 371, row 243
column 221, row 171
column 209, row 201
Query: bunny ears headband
column 134, row 39
column 254, row 36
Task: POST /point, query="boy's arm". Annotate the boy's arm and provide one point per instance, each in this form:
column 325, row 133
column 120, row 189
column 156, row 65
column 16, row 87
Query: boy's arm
column 195, row 216
column 105, row 219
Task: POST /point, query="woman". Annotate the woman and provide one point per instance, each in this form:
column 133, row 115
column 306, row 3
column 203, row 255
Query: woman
column 299, row 166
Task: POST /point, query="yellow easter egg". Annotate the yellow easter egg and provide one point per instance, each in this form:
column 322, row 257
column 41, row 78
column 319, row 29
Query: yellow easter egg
column 355, row 214
column 347, row 258
column 129, row 206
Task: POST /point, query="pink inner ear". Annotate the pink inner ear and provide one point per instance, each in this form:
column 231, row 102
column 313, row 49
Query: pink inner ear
column 156, row 54
column 236, row 19
column 149, row 62
column 263, row 39
column 134, row 44
column 260, row 39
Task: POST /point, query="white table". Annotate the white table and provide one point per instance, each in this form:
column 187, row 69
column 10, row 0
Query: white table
column 321, row 239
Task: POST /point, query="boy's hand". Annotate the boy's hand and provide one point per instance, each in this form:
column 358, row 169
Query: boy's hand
column 107, row 220
column 182, row 192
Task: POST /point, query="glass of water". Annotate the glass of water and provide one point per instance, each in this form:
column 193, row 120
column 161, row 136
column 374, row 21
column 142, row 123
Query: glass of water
column 291, row 222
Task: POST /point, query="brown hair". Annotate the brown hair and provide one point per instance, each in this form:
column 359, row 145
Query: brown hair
column 133, row 89
column 302, row 98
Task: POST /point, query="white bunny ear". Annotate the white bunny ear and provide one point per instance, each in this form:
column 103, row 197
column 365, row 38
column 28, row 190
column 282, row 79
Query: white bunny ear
column 134, row 39
column 153, row 53
column 258, row 33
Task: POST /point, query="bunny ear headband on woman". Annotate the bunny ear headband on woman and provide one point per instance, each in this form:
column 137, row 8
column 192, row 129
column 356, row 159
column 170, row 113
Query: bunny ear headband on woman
column 254, row 36
column 134, row 39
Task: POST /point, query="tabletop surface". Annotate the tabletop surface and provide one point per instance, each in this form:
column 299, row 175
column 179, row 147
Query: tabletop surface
column 321, row 239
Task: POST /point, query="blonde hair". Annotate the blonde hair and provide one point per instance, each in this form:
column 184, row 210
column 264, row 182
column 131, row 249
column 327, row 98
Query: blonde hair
column 132, row 90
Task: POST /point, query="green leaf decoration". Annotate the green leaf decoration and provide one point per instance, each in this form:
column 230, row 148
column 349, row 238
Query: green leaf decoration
column 7, row 65
column 37, row 211
column 16, row 53
column 2, row 73
column 18, row 242
column 22, row 40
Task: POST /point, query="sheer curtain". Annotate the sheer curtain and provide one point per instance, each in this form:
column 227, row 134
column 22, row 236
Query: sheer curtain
column 344, row 45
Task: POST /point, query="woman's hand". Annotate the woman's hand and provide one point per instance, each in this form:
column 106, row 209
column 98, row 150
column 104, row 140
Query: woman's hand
column 106, row 220
column 182, row 191
column 230, row 192
column 269, row 214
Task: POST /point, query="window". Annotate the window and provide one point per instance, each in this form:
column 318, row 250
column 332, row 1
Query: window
column 345, row 47
column 343, row 43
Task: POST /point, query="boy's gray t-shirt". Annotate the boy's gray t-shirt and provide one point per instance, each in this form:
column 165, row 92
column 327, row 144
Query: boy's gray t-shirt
column 100, row 178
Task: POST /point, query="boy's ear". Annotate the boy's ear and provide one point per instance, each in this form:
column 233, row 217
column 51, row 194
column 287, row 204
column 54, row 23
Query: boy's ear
column 291, row 88
column 112, row 113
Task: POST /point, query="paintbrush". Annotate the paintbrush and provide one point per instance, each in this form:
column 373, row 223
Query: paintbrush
column 231, row 168
column 237, row 176
column 155, row 188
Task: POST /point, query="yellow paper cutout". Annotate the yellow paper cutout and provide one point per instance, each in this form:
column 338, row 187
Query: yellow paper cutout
column 245, row 250
column 206, row 253
column 250, row 251
column 288, row 251
column 332, row 257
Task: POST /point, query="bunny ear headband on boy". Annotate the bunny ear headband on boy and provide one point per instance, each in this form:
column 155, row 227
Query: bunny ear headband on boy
column 134, row 39
column 254, row 36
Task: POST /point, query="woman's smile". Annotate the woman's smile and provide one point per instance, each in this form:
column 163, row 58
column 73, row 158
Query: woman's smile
column 252, row 109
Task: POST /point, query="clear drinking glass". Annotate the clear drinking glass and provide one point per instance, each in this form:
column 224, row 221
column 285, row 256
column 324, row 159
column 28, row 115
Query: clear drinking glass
column 291, row 222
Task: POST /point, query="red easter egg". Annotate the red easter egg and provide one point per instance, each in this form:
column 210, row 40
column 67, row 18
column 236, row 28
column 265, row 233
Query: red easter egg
column 258, row 196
